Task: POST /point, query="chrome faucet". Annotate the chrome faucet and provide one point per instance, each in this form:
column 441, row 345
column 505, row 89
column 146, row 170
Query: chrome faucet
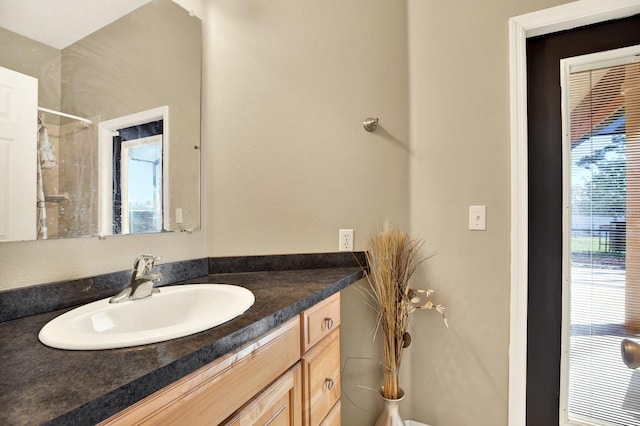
column 142, row 280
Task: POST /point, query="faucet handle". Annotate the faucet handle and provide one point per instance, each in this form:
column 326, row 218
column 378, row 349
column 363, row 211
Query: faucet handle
column 144, row 263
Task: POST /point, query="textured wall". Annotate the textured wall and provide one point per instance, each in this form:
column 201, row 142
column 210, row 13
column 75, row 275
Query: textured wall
column 37, row 60
column 288, row 161
column 459, row 102
column 289, row 85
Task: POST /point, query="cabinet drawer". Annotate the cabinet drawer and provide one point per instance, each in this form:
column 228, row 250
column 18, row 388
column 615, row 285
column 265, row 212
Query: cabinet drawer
column 213, row 393
column 278, row 405
column 333, row 418
column 321, row 379
column 319, row 320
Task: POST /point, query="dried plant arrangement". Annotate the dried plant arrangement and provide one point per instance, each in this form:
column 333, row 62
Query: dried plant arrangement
column 392, row 257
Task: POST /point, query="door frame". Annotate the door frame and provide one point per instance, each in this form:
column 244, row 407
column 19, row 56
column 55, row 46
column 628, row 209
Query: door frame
column 559, row 18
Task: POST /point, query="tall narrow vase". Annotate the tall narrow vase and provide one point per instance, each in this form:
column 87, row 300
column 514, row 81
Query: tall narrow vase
column 390, row 415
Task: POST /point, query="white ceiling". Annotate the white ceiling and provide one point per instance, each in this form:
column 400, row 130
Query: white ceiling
column 59, row 23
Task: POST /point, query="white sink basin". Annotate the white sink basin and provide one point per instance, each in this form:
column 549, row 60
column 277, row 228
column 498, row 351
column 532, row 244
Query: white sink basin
column 176, row 311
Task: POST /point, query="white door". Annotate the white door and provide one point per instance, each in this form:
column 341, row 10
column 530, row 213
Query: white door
column 18, row 168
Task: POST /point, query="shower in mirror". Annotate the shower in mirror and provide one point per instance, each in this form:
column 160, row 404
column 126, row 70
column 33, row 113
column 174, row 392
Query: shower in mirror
column 71, row 90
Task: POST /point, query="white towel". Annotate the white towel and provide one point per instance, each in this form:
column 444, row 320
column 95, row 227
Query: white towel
column 47, row 153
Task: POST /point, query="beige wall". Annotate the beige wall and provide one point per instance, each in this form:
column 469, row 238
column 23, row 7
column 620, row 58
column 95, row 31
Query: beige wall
column 36, row 59
column 288, row 160
column 289, row 85
column 459, row 102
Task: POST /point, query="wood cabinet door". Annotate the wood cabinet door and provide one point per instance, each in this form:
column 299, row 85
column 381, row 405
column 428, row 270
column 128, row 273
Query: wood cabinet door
column 321, row 379
column 278, row 405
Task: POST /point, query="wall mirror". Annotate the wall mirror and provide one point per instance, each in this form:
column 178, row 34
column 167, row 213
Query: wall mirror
column 99, row 118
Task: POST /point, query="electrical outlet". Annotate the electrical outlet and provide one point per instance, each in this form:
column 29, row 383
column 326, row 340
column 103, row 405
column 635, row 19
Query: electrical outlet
column 178, row 215
column 346, row 240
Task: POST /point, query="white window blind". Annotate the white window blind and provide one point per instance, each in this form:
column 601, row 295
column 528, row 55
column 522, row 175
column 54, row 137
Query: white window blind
column 602, row 240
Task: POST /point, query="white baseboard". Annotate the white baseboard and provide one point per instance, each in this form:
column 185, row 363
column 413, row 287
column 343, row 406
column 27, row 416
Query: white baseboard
column 414, row 423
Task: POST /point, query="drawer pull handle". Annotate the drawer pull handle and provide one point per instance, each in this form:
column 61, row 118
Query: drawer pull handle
column 330, row 383
column 329, row 322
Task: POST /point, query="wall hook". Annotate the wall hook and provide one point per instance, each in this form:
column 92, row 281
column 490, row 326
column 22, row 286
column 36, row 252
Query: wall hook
column 370, row 124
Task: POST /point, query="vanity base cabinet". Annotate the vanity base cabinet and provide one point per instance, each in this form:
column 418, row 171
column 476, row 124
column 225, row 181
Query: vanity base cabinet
column 211, row 394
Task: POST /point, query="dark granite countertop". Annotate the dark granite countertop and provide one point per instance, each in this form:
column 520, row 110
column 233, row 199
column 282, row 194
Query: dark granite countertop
column 40, row 385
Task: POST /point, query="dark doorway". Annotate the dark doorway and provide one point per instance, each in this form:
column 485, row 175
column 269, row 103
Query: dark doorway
column 545, row 201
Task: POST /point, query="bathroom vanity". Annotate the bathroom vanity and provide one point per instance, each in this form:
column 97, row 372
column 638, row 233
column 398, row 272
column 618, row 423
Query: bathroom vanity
column 280, row 360
column 291, row 376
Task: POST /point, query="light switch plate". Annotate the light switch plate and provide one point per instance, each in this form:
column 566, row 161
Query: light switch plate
column 477, row 218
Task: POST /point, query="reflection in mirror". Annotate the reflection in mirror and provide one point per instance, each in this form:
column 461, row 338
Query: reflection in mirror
column 134, row 171
column 139, row 182
column 92, row 120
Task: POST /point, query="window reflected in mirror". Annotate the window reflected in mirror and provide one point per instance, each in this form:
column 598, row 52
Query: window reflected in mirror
column 137, row 179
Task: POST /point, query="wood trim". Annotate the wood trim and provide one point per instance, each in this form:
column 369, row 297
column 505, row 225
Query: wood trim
column 519, row 225
column 546, row 21
column 214, row 392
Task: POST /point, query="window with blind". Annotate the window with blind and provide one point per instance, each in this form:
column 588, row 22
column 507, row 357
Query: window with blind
column 601, row 280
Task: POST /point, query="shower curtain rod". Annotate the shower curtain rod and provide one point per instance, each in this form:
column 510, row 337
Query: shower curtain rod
column 63, row 114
